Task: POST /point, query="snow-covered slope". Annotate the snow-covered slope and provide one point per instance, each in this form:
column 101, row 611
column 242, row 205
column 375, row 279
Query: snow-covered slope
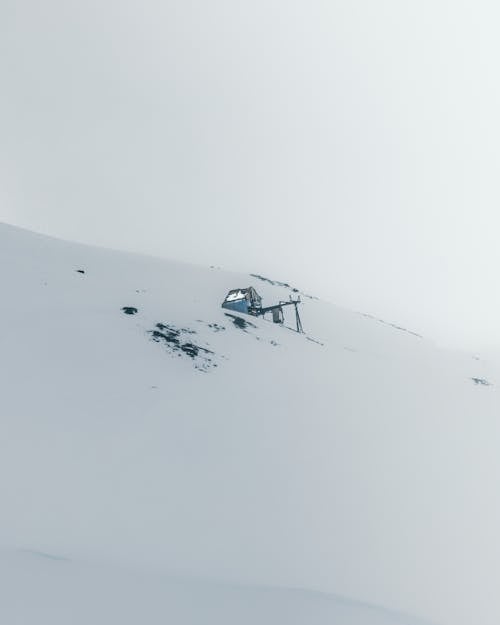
column 40, row 589
column 145, row 453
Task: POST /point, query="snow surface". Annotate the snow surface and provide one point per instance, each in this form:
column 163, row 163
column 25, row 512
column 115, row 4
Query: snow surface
column 235, row 295
column 41, row 588
column 181, row 465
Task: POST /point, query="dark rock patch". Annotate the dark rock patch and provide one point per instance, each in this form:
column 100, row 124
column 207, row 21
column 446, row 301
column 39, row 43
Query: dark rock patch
column 314, row 341
column 241, row 323
column 282, row 284
column 190, row 349
column 481, row 382
column 169, row 334
column 273, row 282
column 392, row 325
column 216, row 327
column 173, row 338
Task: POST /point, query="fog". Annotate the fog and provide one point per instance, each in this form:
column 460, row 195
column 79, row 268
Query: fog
column 348, row 146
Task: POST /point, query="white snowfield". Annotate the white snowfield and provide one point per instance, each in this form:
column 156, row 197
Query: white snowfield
column 163, row 462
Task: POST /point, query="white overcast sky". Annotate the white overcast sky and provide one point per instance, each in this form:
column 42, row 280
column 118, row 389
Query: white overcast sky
column 349, row 146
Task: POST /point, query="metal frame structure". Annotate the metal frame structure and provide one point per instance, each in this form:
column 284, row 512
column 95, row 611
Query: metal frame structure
column 279, row 309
